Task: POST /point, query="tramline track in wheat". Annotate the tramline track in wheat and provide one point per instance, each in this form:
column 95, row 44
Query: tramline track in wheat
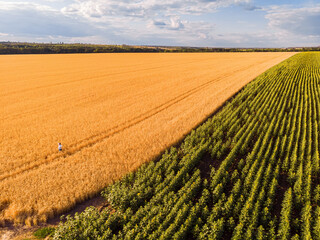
column 109, row 124
column 92, row 140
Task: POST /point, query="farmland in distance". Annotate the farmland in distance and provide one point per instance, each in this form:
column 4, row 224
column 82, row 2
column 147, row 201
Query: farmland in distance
column 111, row 112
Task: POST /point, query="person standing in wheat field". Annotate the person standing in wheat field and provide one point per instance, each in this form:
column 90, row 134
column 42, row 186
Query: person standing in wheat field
column 59, row 147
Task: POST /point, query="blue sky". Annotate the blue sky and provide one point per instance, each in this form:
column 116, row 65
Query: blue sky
column 212, row 23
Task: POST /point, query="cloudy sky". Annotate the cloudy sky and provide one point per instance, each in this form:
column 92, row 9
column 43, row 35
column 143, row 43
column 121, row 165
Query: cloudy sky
column 213, row 23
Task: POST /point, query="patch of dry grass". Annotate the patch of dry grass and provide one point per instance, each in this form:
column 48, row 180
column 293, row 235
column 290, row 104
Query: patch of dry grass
column 111, row 112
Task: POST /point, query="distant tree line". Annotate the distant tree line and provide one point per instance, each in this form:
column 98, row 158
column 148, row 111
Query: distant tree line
column 56, row 48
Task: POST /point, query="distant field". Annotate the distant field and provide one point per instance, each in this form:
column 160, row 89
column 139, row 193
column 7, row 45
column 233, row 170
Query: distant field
column 111, row 112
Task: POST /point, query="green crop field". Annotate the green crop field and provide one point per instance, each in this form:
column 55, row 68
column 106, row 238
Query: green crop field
column 249, row 172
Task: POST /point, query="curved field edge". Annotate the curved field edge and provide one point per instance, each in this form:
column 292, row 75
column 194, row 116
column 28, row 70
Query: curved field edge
column 249, row 172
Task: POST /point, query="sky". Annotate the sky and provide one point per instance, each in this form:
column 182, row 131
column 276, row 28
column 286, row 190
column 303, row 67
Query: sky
column 199, row 23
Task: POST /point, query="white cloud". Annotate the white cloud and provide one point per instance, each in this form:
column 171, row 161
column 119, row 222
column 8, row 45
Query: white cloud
column 154, row 22
column 3, row 34
column 173, row 23
column 173, row 31
column 11, row 6
column 32, row 19
column 146, row 8
column 299, row 21
column 295, row 26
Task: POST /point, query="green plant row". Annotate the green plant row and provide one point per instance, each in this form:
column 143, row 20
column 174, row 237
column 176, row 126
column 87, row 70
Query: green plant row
column 249, row 172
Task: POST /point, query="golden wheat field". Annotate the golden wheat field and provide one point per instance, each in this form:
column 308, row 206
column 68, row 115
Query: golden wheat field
column 111, row 112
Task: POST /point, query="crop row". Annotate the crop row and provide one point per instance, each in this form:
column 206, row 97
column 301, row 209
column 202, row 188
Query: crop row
column 249, row 172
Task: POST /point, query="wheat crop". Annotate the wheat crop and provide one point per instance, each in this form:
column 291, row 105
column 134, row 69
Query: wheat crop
column 111, row 112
